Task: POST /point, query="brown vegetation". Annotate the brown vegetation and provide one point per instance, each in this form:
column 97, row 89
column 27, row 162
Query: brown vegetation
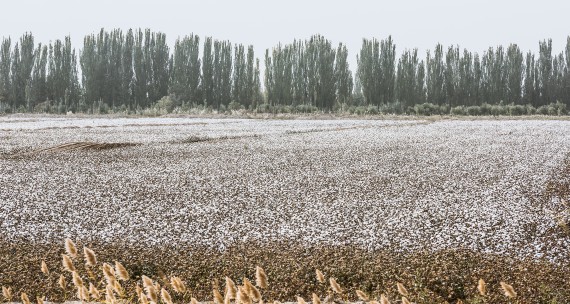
column 428, row 277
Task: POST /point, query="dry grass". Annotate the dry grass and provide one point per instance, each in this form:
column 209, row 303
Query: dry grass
column 448, row 276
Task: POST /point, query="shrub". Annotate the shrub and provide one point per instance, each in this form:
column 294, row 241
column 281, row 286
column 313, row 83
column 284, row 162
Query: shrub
column 360, row 110
column 235, row 106
column 486, row 109
column 428, row 109
column 392, row 108
column 473, row 110
column 542, row 110
column 459, row 110
column 372, row 110
column 306, row 109
column 516, row 110
column 498, row 110
column 561, row 108
column 42, row 107
column 165, row 104
column 264, row 108
column 283, row 109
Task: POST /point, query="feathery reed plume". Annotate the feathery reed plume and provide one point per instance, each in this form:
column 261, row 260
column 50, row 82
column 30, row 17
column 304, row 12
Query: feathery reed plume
column 401, row 289
column 405, row 300
column 247, row 285
column 83, row 293
column 362, row 295
column 94, row 291
column 218, row 299
column 152, row 293
column 7, row 293
column 300, row 300
column 193, row 301
column 121, row 271
column 482, row 287
column 316, row 299
column 276, row 302
column 384, row 299
column 44, row 268
column 255, row 294
column 320, row 276
column 260, row 277
column 227, row 299
column 178, row 285
column 373, row 302
column 108, row 270
column 143, row 299
column 147, row 281
column 25, row 299
column 109, row 294
column 251, row 290
column 334, row 285
column 118, row 288
column 39, row 300
column 242, row 296
column 138, row 290
column 62, row 283
column 90, row 257
column 67, row 263
column 459, row 301
column 165, row 296
column 231, row 289
column 70, row 248
column 509, row 290
column 77, row 281
column 109, row 273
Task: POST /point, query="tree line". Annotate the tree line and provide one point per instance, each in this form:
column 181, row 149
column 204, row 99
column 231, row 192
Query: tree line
column 136, row 69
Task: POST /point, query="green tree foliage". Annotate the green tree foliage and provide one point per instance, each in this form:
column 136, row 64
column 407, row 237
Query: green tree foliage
column 252, row 82
column 21, row 74
column 300, row 76
column 245, row 78
column 279, row 75
column 186, row 70
column 5, row 67
column 208, row 73
column 452, row 76
column 435, row 76
column 515, row 73
column 159, row 53
column 530, row 92
column 545, row 75
column 409, row 83
column 222, row 73
column 343, row 76
column 239, row 78
column 142, row 69
column 135, row 69
column 377, row 71
column 62, row 78
column 39, row 90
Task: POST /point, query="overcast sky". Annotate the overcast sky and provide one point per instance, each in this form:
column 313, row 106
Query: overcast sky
column 471, row 24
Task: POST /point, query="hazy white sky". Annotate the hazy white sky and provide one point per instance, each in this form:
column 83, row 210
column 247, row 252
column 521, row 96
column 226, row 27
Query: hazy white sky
column 471, row 24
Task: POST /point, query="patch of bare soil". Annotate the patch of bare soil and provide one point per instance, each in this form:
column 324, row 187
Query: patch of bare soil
column 75, row 146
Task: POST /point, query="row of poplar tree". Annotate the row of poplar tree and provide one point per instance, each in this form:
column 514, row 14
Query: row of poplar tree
column 135, row 69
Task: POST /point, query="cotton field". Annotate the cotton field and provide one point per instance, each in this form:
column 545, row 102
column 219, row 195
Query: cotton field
column 378, row 184
column 493, row 188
